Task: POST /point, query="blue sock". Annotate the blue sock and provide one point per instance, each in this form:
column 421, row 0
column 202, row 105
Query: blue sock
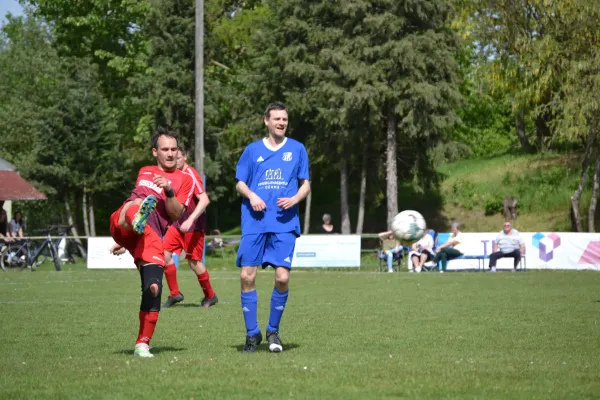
column 250, row 310
column 278, row 301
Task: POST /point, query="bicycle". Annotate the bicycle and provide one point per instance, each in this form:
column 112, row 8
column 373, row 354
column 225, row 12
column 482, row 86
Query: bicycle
column 24, row 254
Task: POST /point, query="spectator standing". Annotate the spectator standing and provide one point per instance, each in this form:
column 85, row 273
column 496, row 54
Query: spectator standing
column 327, row 226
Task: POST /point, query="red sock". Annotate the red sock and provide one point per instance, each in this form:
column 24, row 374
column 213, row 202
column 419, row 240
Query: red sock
column 171, row 275
column 148, row 321
column 130, row 213
column 204, row 280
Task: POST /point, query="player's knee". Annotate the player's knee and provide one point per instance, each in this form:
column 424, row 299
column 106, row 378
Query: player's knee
column 282, row 277
column 248, row 276
column 154, row 289
column 151, row 287
column 197, row 267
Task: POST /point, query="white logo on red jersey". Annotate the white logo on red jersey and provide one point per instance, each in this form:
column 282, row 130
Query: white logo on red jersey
column 150, row 185
column 287, row 156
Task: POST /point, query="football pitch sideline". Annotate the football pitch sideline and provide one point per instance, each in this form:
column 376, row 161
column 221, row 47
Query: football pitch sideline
column 346, row 335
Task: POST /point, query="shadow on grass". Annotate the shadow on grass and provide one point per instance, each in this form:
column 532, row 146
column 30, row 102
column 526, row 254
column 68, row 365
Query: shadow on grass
column 153, row 350
column 264, row 347
column 190, row 305
column 187, row 305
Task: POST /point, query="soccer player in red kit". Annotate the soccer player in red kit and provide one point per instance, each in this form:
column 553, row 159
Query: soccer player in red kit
column 188, row 234
column 161, row 195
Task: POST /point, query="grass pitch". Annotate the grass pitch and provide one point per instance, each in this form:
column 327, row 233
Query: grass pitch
column 70, row 335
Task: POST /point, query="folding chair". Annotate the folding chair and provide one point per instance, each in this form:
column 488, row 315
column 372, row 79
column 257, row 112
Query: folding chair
column 396, row 262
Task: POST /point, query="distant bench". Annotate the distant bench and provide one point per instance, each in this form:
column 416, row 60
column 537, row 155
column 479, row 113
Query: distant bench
column 444, row 237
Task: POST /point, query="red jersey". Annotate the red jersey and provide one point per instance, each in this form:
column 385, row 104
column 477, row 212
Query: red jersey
column 182, row 184
column 200, row 224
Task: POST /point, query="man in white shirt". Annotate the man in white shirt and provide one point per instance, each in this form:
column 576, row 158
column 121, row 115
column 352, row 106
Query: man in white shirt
column 421, row 251
column 508, row 244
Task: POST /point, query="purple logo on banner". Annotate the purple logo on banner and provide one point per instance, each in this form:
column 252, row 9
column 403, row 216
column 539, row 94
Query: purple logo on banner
column 546, row 245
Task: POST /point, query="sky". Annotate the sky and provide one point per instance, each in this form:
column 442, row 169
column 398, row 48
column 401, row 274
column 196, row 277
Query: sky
column 11, row 6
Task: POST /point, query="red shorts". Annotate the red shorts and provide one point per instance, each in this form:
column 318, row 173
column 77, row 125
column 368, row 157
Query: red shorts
column 147, row 247
column 191, row 242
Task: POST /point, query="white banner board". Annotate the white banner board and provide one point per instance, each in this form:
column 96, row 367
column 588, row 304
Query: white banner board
column 543, row 250
column 99, row 256
column 327, row 251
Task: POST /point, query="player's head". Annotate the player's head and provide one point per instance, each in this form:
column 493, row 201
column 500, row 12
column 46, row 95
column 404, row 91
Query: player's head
column 276, row 119
column 164, row 148
column 507, row 227
column 455, row 228
column 326, row 219
column 181, row 157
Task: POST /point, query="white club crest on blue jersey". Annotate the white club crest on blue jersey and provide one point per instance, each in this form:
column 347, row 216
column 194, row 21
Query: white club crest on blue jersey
column 260, row 159
column 287, row 156
column 273, row 174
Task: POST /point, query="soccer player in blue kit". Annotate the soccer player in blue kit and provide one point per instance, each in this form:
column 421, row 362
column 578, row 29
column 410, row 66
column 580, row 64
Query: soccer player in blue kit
column 272, row 177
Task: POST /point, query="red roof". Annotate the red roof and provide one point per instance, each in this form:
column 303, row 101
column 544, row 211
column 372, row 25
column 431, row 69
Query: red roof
column 13, row 187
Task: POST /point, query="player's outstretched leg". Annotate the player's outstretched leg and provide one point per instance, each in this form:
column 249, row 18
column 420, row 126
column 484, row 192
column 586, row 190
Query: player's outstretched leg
column 278, row 301
column 151, row 277
column 146, row 208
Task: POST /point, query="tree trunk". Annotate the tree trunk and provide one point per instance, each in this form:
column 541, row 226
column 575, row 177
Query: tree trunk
column 307, row 213
column 542, row 130
column 363, row 191
column 84, row 209
column 391, row 169
column 92, row 216
column 71, row 222
column 346, row 229
column 594, row 201
column 520, row 127
column 585, row 163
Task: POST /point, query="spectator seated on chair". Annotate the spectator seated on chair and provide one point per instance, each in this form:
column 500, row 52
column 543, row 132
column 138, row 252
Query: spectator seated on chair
column 215, row 243
column 390, row 249
column 450, row 250
column 509, row 243
column 422, row 251
column 15, row 226
column 4, row 235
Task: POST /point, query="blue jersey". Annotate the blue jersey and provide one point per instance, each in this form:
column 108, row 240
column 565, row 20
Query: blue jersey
column 272, row 174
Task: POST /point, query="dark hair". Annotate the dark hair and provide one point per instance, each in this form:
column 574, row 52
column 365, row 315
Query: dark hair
column 15, row 215
column 182, row 150
column 160, row 131
column 274, row 106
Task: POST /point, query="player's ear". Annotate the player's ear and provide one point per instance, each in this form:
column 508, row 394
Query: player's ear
column 154, row 152
column 266, row 120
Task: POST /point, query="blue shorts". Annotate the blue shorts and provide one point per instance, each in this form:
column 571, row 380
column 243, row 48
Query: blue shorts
column 264, row 249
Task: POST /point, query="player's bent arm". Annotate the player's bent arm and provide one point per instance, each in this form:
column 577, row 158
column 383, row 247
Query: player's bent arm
column 203, row 202
column 303, row 190
column 243, row 189
column 174, row 208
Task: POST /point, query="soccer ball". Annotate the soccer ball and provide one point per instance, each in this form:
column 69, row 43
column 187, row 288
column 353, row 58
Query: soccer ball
column 408, row 226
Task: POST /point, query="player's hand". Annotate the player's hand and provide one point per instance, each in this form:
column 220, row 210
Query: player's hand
column 257, row 203
column 287, row 202
column 186, row 226
column 117, row 250
column 161, row 182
